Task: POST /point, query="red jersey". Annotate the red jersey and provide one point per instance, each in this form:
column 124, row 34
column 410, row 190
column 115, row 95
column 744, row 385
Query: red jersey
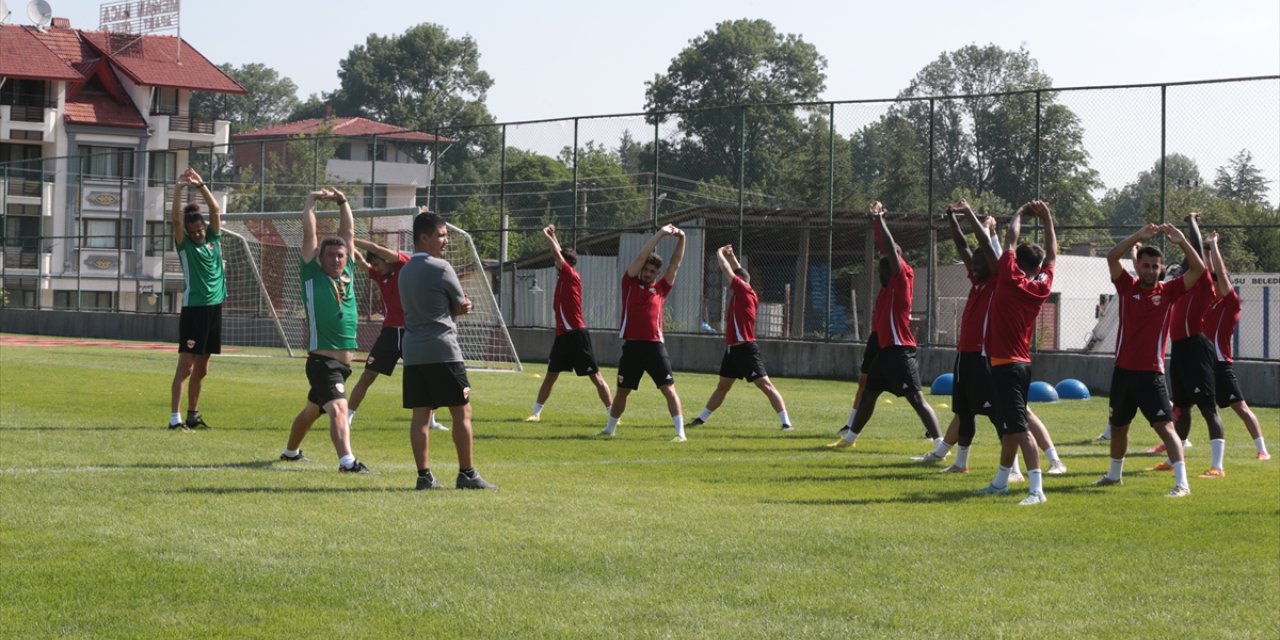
column 1144, row 322
column 740, row 314
column 891, row 317
column 1187, row 317
column 642, row 309
column 1015, row 305
column 568, row 300
column 389, row 287
column 1220, row 323
column 973, row 322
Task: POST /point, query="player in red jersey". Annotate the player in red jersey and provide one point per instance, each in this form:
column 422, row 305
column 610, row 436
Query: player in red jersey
column 742, row 354
column 971, row 376
column 1220, row 324
column 644, row 295
column 572, row 347
column 1137, row 381
column 894, row 369
column 1023, row 280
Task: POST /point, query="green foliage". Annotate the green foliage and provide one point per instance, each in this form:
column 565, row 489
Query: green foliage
column 289, row 178
column 270, row 100
column 1241, row 180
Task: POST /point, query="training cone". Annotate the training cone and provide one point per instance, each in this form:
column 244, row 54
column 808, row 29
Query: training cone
column 1072, row 389
column 942, row 385
column 1041, row 391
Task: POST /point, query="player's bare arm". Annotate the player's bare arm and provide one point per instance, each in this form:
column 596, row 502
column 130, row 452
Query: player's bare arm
column 888, row 248
column 1123, row 248
column 957, row 237
column 676, row 256
column 310, row 245
column 1195, row 265
column 1041, row 209
column 637, row 264
column 549, row 233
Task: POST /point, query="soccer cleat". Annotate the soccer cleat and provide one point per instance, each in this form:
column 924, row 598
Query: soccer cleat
column 284, row 457
column 1103, row 436
column 1033, row 499
column 954, row 469
column 356, row 467
column 841, row 444
column 1057, row 468
column 1213, row 473
column 787, row 427
column 1160, row 448
column 437, row 426
column 697, row 422
column 1179, row 491
column 604, row 433
column 472, row 482
column 992, row 490
column 178, row 426
column 929, row 458
column 679, row 439
column 1017, row 478
column 428, row 482
column 533, row 418
column 1106, row 481
column 1263, row 455
column 196, row 422
column 1163, row 466
column 843, row 430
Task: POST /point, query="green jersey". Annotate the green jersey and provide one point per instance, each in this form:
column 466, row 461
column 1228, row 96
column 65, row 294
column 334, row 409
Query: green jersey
column 331, row 307
column 206, row 283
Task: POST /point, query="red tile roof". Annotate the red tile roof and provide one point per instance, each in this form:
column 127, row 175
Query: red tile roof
column 102, row 110
column 155, row 61
column 350, row 126
column 23, row 55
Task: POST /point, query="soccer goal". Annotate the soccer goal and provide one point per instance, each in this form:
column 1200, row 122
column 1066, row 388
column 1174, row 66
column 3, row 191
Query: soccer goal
column 264, row 296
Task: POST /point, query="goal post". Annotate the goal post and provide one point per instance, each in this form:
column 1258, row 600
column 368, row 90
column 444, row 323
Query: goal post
column 262, row 276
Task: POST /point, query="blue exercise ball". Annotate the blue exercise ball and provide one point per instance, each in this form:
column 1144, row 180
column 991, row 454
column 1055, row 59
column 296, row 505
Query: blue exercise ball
column 1041, row 391
column 942, row 385
column 1072, row 389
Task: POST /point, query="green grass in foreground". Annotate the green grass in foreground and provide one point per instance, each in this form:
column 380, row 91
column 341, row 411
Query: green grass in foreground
column 112, row 526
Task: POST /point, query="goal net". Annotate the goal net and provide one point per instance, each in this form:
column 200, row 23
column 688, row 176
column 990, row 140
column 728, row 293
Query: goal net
column 264, row 308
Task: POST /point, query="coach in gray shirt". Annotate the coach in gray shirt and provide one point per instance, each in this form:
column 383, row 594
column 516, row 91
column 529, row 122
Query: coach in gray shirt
column 434, row 374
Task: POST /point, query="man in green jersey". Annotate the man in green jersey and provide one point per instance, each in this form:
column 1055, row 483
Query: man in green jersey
column 199, row 247
column 327, row 273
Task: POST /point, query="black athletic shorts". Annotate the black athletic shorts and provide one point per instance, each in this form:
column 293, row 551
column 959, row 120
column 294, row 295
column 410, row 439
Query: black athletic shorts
column 200, row 330
column 328, row 378
column 1009, row 384
column 1134, row 390
column 1191, row 373
column 895, row 371
column 743, row 361
column 640, row 357
column 572, row 350
column 435, row 385
column 971, row 384
column 386, row 351
column 869, row 354
column 1225, row 384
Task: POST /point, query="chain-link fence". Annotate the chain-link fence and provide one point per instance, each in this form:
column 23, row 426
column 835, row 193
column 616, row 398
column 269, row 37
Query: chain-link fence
column 787, row 185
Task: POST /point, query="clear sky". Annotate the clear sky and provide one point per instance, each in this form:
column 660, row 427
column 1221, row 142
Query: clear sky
column 556, row 58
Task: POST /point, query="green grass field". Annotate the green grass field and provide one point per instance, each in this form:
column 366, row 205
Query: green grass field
column 113, row 526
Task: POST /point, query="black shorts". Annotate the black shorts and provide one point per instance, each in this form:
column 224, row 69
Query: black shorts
column 1191, row 374
column 743, row 361
column 895, row 371
column 869, row 354
column 1009, row 384
column 641, row 357
column 435, row 385
column 1134, row 390
column 572, row 350
column 386, row 351
column 200, row 330
column 328, row 378
column 971, row 384
column 1225, row 385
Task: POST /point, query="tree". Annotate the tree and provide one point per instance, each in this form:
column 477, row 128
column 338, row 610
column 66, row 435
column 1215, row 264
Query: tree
column 271, row 99
column 1138, row 202
column 1241, row 180
column 738, row 63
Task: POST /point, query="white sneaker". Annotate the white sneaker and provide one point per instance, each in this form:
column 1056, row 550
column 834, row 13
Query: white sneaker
column 1033, row 499
column 930, row 458
column 679, row 439
column 1017, row 478
column 954, row 469
column 1057, row 468
column 436, row 426
column 1179, row 491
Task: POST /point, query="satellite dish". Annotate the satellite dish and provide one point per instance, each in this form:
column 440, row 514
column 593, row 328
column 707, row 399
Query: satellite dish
column 40, row 13
column 4, row 12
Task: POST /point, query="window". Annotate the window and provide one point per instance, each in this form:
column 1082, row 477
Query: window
column 343, row 152
column 90, row 300
column 25, row 93
column 164, row 101
column 159, row 238
column 375, row 196
column 20, row 160
column 20, row 292
column 162, row 168
column 107, row 234
column 21, row 231
column 378, row 151
column 107, row 162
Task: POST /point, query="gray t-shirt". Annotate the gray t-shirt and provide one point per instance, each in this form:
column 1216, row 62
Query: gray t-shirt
column 429, row 289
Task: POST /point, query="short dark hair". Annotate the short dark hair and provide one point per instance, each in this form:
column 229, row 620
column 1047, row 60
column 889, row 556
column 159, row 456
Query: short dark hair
column 570, row 256
column 332, row 241
column 370, row 255
column 742, row 273
column 191, row 213
column 1148, row 250
column 654, row 259
column 426, row 222
column 1029, row 257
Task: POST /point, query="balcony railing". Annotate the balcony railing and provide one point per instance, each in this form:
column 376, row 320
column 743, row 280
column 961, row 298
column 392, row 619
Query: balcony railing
column 188, row 124
column 21, row 258
column 24, row 186
column 26, row 113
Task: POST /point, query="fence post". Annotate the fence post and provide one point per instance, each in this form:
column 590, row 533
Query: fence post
column 4, row 228
column 373, row 173
column 742, row 169
column 1039, row 115
column 502, row 207
column 574, row 210
column 262, row 175
column 433, row 186
column 656, row 153
column 1164, row 89
column 831, row 208
column 930, row 300
column 315, row 162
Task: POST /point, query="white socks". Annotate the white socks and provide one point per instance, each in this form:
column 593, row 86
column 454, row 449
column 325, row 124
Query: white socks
column 962, row 457
column 1002, row 477
column 537, row 409
column 1216, row 449
column 611, row 426
column 1258, row 443
column 176, row 417
column 292, row 453
column 941, row 448
column 853, row 413
column 351, row 416
column 1117, row 469
column 678, row 423
column 1036, row 482
column 1052, row 454
column 1180, row 473
column 705, row 415
column 783, row 417
column 347, row 461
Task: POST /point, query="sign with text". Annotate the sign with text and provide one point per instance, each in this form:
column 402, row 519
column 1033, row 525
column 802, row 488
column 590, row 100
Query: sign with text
column 139, row 16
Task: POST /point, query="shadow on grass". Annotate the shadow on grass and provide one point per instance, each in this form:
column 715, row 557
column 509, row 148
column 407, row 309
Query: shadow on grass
column 250, row 490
